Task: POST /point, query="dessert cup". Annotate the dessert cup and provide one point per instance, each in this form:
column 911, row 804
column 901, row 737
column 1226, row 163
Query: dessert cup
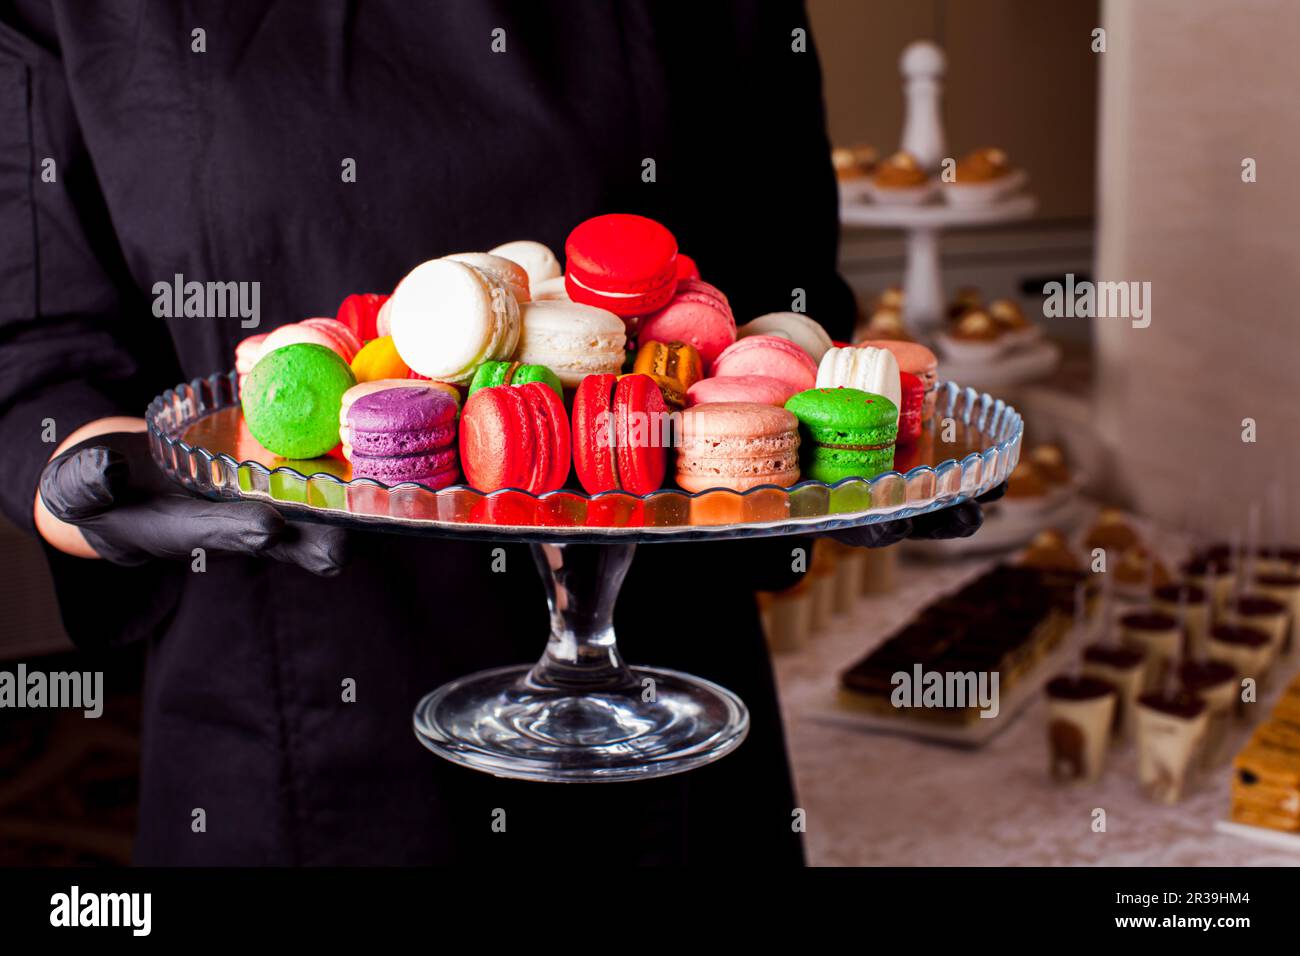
column 1080, row 712
column 1171, row 731
column 1285, row 588
column 1262, row 614
column 1122, row 668
column 1214, row 683
column 1197, row 572
column 1158, row 637
column 848, row 579
column 1245, row 648
column 1188, row 604
column 788, row 616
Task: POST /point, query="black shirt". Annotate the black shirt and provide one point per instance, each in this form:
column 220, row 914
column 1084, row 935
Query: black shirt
column 134, row 149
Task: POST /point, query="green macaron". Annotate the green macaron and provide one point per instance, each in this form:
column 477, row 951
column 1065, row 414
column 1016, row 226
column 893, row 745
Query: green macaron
column 491, row 374
column 292, row 397
column 846, row 432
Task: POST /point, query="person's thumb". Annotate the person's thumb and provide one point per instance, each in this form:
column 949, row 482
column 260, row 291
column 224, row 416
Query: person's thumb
column 84, row 483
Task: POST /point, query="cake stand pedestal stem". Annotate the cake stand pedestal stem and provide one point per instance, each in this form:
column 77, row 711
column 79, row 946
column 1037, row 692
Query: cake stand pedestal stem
column 582, row 583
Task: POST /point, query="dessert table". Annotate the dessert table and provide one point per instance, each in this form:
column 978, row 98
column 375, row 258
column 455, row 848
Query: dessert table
column 874, row 799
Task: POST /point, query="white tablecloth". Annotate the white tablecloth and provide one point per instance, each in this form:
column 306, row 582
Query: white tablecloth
column 875, row 799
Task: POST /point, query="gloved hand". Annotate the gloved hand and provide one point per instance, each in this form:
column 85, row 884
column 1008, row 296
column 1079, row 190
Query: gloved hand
column 957, row 522
column 130, row 512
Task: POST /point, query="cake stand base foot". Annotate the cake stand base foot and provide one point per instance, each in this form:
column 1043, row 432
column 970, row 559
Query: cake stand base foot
column 503, row 723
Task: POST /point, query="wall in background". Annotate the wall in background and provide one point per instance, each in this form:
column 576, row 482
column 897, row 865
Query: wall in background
column 1021, row 75
column 1221, row 255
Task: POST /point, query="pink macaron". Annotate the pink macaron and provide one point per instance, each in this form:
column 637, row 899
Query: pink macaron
column 769, row 355
column 759, row 389
column 247, row 352
column 737, row 445
column 331, row 333
column 699, row 314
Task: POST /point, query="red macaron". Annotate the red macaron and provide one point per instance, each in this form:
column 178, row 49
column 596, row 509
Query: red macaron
column 909, row 414
column 621, row 262
column 360, row 313
column 686, row 267
column 618, row 441
column 515, row 437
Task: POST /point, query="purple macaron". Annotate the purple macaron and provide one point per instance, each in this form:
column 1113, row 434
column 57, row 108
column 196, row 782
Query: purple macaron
column 405, row 434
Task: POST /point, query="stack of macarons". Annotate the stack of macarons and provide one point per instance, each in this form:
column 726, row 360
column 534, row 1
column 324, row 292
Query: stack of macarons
column 510, row 369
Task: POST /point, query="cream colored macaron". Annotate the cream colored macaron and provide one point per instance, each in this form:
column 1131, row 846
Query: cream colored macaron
column 551, row 290
column 508, row 271
column 448, row 318
column 867, row 369
column 533, row 257
column 795, row 326
column 571, row 339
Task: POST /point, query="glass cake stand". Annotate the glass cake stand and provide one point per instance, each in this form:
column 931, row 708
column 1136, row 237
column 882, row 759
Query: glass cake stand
column 580, row 713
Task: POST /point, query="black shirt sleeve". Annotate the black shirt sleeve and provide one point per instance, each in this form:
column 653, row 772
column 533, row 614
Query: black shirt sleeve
column 72, row 338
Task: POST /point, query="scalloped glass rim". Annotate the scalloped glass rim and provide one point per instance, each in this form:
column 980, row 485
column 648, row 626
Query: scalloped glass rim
column 808, row 506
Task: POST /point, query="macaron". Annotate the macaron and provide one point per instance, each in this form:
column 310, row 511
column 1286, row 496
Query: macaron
column 847, row 432
column 507, row 271
column 379, row 385
column 291, row 399
column 675, row 366
column 247, row 352
column 909, row 409
column 360, row 313
column 768, row 355
column 621, row 434
column 515, row 437
column 534, row 258
column 493, row 374
column 330, row 333
column 737, row 445
column 699, row 314
column 917, row 360
column 448, row 318
column 624, row 263
column 383, row 325
column 404, row 434
column 760, row 389
column 795, row 326
column 571, row 339
column 378, row 359
column 868, row 369
column 686, row 267
column 551, row 290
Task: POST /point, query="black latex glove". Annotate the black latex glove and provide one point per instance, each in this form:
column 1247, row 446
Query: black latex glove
column 961, row 521
column 130, row 512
